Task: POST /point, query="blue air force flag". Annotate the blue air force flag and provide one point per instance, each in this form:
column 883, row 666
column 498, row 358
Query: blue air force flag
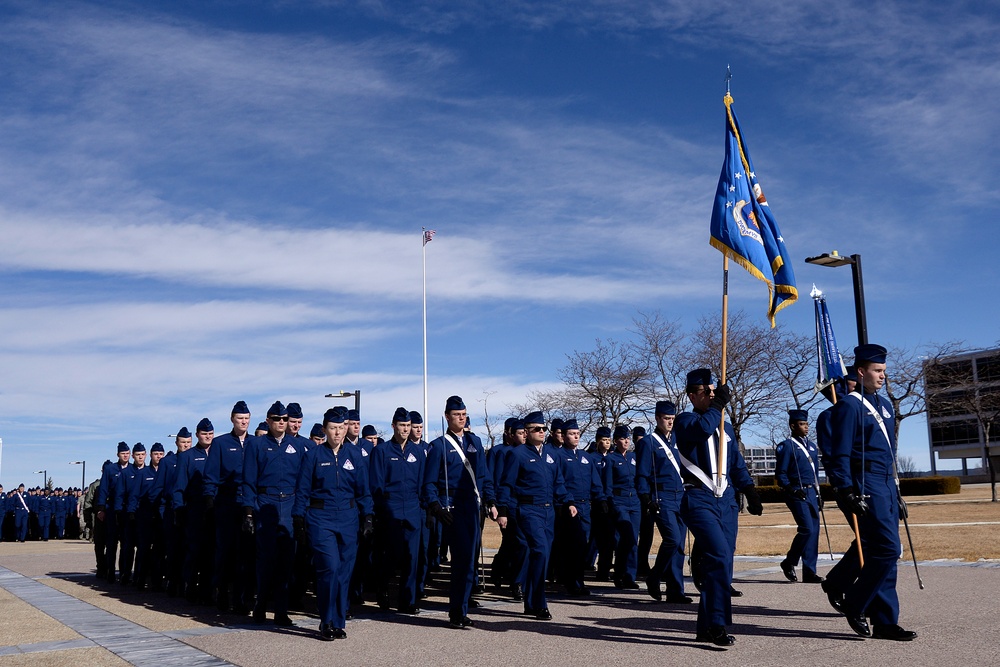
column 743, row 227
column 830, row 365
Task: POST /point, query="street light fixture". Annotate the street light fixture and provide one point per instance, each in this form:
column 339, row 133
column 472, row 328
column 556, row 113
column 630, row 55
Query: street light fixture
column 346, row 394
column 45, row 477
column 832, row 259
column 83, row 477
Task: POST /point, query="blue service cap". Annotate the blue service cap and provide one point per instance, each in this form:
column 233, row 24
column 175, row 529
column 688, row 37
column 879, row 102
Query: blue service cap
column 401, row 416
column 277, row 409
column 570, row 425
column 415, row 417
column 666, row 408
column 557, row 424
column 508, row 423
column 638, row 432
column 157, row 447
column 294, row 411
column 852, row 372
column 334, row 416
column 205, row 425
column 316, row 431
column 535, row 417
column 353, row 415
column 139, row 447
column 870, row 352
column 123, row 447
column 699, row 376
column 623, row 431
column 261, row 427
column 518, row 424
column 798, row 415
column 184, row 432
column 241, row 408
column 603, row 432
column 454, row 403
column 368, row 430
column 343, row 411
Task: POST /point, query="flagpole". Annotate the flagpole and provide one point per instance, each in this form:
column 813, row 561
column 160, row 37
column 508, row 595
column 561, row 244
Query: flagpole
column 423, row 249
column 722, row 379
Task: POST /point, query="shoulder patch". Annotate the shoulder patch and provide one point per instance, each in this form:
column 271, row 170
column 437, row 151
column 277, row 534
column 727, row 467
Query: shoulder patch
column 289, row 449
column 364, row 453
column 411, row 458
column 585, row 461
column 549, row 459
column 348, row 465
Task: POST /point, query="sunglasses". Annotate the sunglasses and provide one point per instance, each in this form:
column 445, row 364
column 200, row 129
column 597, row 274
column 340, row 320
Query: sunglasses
column 538, row 429
column 278, row 419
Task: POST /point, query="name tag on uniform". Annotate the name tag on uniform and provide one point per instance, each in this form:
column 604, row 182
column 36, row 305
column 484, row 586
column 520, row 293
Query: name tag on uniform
column 411, row 458
column 289, row 449
column 348, row 465
column 532, row 460
column 396, row 458
column 150, row 479
column 200, row 458
column 325, row 464
column 234, row 449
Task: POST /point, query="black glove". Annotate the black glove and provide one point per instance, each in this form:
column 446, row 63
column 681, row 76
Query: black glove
column 209, row 503
column 443, row 515
column 180, row 516
column 131, row 516
column 904, row 513
column 611, row 505
column 430, row 520
column 850, row 502
column 722, row 397
column 754, row 506
column 602, row 507
column 248, row 526
column 799, row 494
column 368, row 525
column 298, row 528
column 489, row 505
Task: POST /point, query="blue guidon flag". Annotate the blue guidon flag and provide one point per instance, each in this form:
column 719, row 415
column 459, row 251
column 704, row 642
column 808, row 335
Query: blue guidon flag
column 743, row 227
column 830, row 365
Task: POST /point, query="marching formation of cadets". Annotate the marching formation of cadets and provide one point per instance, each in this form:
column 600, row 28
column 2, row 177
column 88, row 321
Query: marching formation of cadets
column 248, row 522
column 38, row 514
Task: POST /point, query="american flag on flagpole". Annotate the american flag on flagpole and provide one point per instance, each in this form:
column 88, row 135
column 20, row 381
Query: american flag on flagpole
column 429, row 235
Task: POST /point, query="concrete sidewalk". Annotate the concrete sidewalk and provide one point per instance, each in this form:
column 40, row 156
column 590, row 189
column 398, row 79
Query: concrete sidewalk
column 54, row 612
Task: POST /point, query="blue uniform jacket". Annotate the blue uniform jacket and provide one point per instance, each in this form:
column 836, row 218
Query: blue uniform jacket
column 339, row 480
column 693, row 430
column 224, row 468
column 581, row 476
column 168, row 471
column 189, row 486
column 108, row 488
column 145, row 488
column 655, row 474
column 460, row 484
column 619, row 476
column 396, row 477
column 793, row 469
column 529, row 473
column 270, row 468
column 852, row 425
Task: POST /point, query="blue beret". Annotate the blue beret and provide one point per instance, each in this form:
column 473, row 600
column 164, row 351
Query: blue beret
column 508, row 423
column 277, row 409
column 623, row 431
column 241, row 408
column 798, row 415
column 139, row 447
column 317, row 431
column 415, row 417
column 570, row 425
column 666, row 408
column 122, row 447
column 454, row 403
column 535, row 417
column 157, row 447
column 604, row 432
column 401, row 416
column 184, row 432
column 557, row 424
column 638, row 432
column 353, row 415
column 294, row 411
column 699, row 376
column 261, row 427
column 205, row 425
column 368, row 430
column 334, row 416
column 870, row 352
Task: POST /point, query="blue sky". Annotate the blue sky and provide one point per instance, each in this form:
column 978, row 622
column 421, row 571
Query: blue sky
column 209, row 201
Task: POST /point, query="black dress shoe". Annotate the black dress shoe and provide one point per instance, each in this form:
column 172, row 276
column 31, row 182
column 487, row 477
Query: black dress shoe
column 259, row 617
column 383, row 601
column 629, row 585
column 326, row 632
column 460, row 622
column 528, row 611
column 789, row 571
column 543, row 615
column 735, row 593
column 835, row 597
column 679, row 599
column 859, row 624
column 653, row 588
column 894, row 633
column 409, row 609
column 283, row 621
column 717, row 635
column 517, row 592
column 603, row 576
column 811, row 578
column 584, row 591
column 339, row 633
column 474, row 603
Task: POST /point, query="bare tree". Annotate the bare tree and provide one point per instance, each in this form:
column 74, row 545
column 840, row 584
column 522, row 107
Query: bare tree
column 566, row 402
column 661, row 343
column 611, row 377
column 793, row 356
column 907, row 466
column 491, row 425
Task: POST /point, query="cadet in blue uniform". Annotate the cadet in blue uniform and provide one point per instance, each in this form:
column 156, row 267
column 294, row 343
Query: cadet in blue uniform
column 353, row 428
column 603, row 531
column 863, row 470
column 173, row 537
column 107, row 495
column 427, row 521
column 60, row 509
column 44, row 513
column 511, row 560
column 584, row 485
column 270, row 471
column 709, row 499
column 397, row 479
column 331, row 502
column 797, row 460
column 661, row 490
column 128, row 529
column 233, row 548
column 18, row 504
column 363, row 575
column 318, row 435
column 623, row 500
column 457, row 487
column 532, row 487
column 191, row 514
column 143, row 509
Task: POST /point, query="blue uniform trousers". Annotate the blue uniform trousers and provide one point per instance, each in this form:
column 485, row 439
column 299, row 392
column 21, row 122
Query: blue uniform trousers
column 805, row 544
column 398, row 551
column 60, row 521
column 149, row 534
column 21, row 526
column 847, row 569
column 333, row 535
column 199, row 559
column 874, row 593
column 233, row 554
column 363, row 574
column 128, row 538
column 537, row 525
column 112, row 538
column 423, row 558
column 510, row 562
column 44, row 521
column 707, row 518
column 275, row 552
column 463, row 536
column 573, row 538
column 669, row 564
column 628, row 515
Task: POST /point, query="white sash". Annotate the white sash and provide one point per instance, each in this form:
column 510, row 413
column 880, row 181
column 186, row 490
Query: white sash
column 805, row 450
column 666, row 450
column 718, row 488
column 465, row 461
column 23, row 504
column 881, row 424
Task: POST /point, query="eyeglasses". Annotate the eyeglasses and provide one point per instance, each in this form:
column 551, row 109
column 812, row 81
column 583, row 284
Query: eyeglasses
column 538, row 429
column 278, row 419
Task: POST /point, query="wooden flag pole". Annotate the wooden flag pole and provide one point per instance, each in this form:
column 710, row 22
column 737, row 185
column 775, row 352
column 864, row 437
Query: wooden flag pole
column 722, row 378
